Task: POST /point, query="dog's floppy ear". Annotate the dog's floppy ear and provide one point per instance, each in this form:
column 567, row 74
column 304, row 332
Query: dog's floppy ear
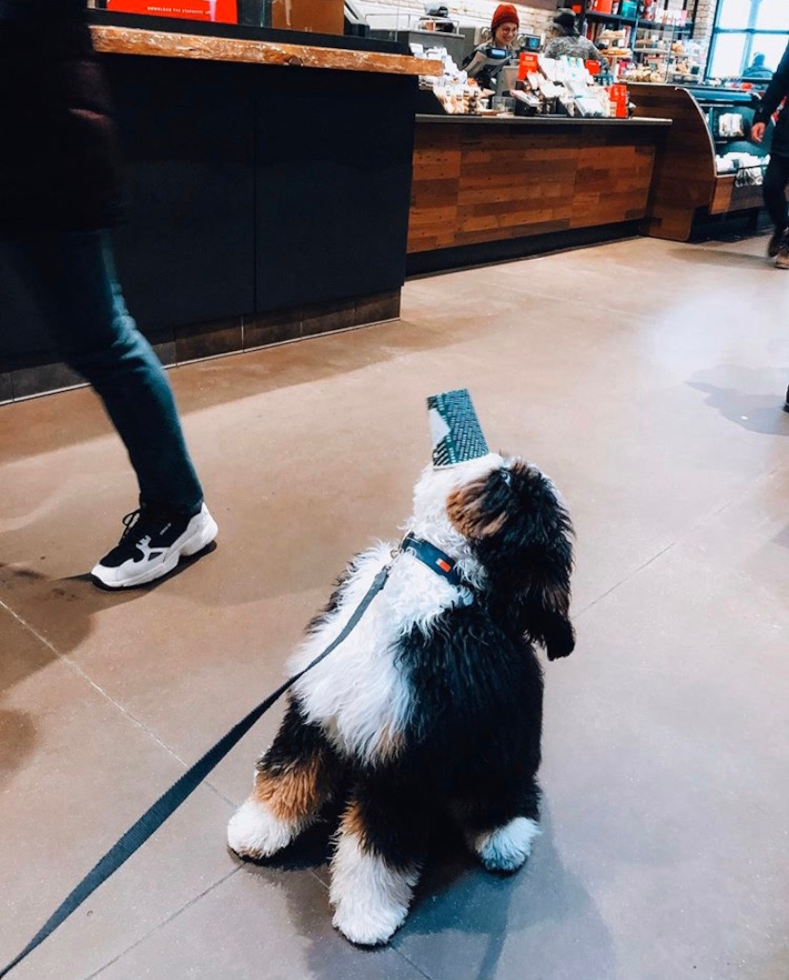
column 522, row 535
column 547, row 617
column 545, row 593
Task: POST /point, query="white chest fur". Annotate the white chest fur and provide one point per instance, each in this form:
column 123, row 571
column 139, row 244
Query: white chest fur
column 360, row 694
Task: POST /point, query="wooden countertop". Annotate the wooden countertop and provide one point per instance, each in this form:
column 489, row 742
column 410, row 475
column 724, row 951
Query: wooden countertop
column 164, row 44
column 539, row 120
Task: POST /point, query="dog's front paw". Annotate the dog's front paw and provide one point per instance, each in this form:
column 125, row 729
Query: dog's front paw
column 370, row 898
column 560, row 641
column 255, row 831
column 507, row 848
column 369, row 924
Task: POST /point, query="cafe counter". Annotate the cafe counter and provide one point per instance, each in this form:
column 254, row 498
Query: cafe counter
column 487, row 188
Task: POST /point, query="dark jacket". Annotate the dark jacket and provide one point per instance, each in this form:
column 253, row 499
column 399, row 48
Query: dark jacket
column 777, row 91
column 59, row 161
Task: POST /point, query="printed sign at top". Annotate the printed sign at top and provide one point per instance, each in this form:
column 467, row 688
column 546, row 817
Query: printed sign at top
column 219, row 11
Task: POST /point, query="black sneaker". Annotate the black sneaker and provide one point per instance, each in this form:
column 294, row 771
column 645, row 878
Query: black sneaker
column 775, row 242
column 152, row 545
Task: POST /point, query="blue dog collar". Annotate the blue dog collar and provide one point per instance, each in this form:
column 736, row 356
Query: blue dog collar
column 433, row 557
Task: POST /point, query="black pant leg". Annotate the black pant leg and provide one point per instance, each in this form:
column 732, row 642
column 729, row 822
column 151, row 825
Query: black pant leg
column 774, row 189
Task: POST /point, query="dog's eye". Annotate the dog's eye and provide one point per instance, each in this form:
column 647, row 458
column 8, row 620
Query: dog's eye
column 506, row 477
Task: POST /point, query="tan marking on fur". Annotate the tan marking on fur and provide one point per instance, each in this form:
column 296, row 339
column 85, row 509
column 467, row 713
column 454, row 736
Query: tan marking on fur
column 352, row 823
column 464, row 509
column 389, row 743
column 292, row 793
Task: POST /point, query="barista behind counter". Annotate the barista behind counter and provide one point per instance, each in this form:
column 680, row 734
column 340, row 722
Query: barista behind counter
column 486, row 60
column 567, row 42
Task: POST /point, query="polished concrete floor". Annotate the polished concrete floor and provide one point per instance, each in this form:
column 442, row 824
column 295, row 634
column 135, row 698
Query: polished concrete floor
column 647, row 378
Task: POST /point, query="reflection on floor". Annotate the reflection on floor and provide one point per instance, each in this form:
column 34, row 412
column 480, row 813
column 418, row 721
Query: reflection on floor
column 647, row 378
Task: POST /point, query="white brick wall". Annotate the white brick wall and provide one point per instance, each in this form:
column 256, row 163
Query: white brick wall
column 391, row 13
column 478, row 12
column 386, row 13
column 705, row 19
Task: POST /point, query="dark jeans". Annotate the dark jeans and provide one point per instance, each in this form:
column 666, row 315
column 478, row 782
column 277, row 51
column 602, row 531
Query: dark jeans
column 776, row 178
column 73, row 276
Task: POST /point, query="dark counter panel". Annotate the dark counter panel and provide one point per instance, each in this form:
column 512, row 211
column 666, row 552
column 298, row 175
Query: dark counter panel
column 333, row 191
column 187, row 252
column 253, row 190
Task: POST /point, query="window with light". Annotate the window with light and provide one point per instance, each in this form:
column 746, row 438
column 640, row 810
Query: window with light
column 748, row 39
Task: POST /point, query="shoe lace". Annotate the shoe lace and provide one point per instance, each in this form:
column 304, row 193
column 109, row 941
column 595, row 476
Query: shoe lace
column 139, row 523
column 130, row 521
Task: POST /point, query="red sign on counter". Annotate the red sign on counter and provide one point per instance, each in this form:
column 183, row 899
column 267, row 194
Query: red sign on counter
column 528, row 62
column 618, row 95
column 219, row 11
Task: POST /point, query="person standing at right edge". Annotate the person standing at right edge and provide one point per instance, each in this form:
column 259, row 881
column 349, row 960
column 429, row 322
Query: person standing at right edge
column 776, row 176
column 59, row 196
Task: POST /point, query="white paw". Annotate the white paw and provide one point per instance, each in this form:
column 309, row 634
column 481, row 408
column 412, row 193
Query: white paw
column 371, row 900
column 254, row 831
column 507, row 848
column 368, row 925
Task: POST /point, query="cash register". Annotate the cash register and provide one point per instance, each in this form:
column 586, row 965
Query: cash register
column 502, row 63
column 490, row 58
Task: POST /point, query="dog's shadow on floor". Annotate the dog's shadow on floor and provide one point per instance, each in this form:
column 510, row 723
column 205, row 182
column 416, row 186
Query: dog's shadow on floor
column 470, row 924
column 473, row 925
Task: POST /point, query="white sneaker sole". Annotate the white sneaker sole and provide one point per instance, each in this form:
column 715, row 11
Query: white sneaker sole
column 200, row 531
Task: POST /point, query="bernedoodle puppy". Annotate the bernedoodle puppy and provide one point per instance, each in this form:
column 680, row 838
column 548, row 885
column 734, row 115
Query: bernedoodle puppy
column 431, row 709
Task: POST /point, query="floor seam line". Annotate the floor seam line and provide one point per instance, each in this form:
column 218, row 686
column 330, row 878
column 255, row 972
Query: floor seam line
column 218, row 792
column 84, row 676
column 79, row 672
column 411, row 963
column 160, row 925
column 627, row 578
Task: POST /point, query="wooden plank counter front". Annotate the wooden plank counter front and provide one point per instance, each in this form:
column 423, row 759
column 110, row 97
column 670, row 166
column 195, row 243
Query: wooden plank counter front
column 486, row 187
column 685, row 178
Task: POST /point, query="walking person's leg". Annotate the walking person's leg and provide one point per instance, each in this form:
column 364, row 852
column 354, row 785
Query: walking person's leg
column 776, row 178
column 99, row 339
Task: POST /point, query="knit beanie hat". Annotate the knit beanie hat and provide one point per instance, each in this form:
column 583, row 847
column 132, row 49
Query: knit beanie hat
column 564, row 21
column 505, row 14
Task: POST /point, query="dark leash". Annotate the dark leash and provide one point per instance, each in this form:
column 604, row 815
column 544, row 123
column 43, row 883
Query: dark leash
column 182, row 789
